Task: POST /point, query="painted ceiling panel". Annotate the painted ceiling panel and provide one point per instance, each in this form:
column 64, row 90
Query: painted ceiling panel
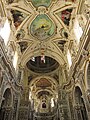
column 43, row 82
column 65, row 15
column 42, row 27
column 18, row 17
column 38, row 3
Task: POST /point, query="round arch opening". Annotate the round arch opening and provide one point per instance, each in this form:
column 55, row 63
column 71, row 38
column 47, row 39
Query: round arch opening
column 88, row 75
column 80, row 108
column 6, row 106
column 42, row 64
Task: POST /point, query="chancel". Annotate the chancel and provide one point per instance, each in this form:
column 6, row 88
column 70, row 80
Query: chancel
column 44, row 60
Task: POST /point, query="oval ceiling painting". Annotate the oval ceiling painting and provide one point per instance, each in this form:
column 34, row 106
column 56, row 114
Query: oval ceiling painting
column 42, row 27
column 38, row 3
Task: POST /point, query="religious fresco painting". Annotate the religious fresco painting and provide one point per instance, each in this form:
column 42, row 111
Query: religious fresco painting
column 38, row 3
column 65, row 16
column 42, row 27
column 18, row 17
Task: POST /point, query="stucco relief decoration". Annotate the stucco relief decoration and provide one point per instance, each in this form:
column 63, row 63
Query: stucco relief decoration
column 9, row 1
column 18, row 17
column 23, row 46
column 63, row 33
column 42, row 27
column 38, row 3
column 20, row 34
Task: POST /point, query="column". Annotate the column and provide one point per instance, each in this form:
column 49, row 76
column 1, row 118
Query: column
column 18, row 105
column 64, row 74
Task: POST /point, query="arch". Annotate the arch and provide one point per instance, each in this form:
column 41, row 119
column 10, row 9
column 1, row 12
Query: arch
column 87, row 75
column 87, row 79
column 80, row 109
column 46, row 77
column 77, row 94
column 7, row 97
column 8, row 87
column 46, row 90
column 59, row 57
column 6, row 106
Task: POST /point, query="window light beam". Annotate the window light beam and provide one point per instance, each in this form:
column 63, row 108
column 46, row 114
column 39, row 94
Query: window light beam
column 5, row 32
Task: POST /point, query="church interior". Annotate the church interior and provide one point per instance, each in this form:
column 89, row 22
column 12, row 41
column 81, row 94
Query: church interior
column 44, row 59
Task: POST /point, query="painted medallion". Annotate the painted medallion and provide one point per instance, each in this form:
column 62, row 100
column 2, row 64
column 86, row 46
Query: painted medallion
column 42, row 27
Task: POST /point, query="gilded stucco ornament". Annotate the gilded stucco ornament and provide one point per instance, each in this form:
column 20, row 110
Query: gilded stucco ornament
column 9, row 1
column 42, row 27
column 20, row 34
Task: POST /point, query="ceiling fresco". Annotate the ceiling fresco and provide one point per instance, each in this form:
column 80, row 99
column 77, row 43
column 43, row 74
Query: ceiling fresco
column 65, row 15
column 42, row 33
column 42, row 27
column 43, row 82
column 38, row 3
column 18, row 17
